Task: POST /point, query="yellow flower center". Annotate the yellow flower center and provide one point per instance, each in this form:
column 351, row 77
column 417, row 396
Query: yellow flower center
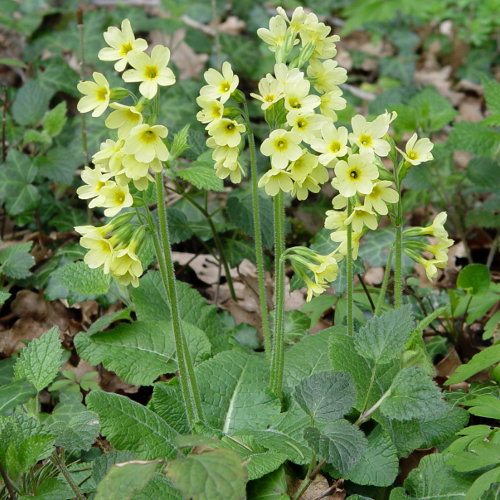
column 102, row 94
column 335, row 146
column 105, row 246
column 301, row 124
column 99, row 185
column 413, row 155
column 224, row 87
column 151, row 72
column 230, row 127
column 365, row 140
column 294, row 103
column 269, row 98
column 216, row 112
column 119, row 197
column 353, row 173
column 281, row 144
column 125, row 48
column 148, row 136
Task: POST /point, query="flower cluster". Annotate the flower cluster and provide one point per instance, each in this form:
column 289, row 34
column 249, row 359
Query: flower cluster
column 225, row 132
column 301, row 106
column 416, row 248
column 123, row 164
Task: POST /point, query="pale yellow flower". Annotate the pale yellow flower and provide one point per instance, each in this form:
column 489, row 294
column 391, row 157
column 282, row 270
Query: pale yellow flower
column 100, row 248
column 327, row 269
column 314, row 289
column 126, row 266
column 145, row 143
column 113, row 198
column 317, row 34
column 275, row 180
column 271, row 91
column 436, row 229
column 136, row 170
column 440, row 249
column 311, row 183
column 226, row 132
column 380, row 195
column 326, row 75
column 335, row 219
column 303, row 166
column 341, row 238
column 356, row 175
column 110, row 155
column 417, row 152
column 95, row 179
column 121, row 43
column 290, row 78
column 332, row 144
column 220, row 85
column 331, row 102
column 275, row 35
column 151, row 70
column 368, row 135
column 211, row 109
column 234, row 171
column 361, row 217
column 305, row 123
column 283, row 147
column 97, row 94
column 124, row 118
column 297, row 96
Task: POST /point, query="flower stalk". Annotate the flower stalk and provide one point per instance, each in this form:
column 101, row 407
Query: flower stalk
column 349, row 273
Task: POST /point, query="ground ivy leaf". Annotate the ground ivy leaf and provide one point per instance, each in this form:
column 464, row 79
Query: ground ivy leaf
column 379, row 465
column 413, row 394
column 16, row 260
column 130, row 426
column 341, row 444
column 308, row 356
column 326, row 396
column 124, row 480
column 55, row 119
column 39, row 363
column 383, row 337
column 30, row 103
column 371, row 381
column 233, row 389
column 213, row 473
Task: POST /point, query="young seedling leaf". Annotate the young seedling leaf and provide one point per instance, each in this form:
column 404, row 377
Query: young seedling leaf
column 326, row 396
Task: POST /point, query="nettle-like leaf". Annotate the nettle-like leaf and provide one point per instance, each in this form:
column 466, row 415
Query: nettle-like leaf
column 16, row 260
column 130, row 426
column 210, row 474
column 234, row 394
column 371, row 380
column 39, row 363
column 384, row 337
column 326, row 396
column 55, row 119
column 16, row 188
column 340, row 443
column 30, row 103
column 271, row 487
column 201, row 176
column 160, row 488
column 413, row 394
column 167, row 402
column 379, row 465
column 141, row 351
column 80, row 278
column 124, row 480
column 433, row 480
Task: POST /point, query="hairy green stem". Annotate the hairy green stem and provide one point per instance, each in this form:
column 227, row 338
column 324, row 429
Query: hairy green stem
column 259, row 253
column 385, row 282
column 189, row 387
column 61, row 466
column 83, row 123
column 307, row 480
column 398, row 246
column 278, row 350
column 349, row 273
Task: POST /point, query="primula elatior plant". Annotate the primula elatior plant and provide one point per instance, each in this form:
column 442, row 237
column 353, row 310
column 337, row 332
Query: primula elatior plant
column 348, row 401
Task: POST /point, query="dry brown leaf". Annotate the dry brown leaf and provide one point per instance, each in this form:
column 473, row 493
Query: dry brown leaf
column 232, row 26
column 29, row 304
column 448, row 364
column 470, row 110
column 374, row 276
column 316, row 489
column 23, row 329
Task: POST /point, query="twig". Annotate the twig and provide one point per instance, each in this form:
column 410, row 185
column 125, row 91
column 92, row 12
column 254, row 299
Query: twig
column 332, row 489
column 367, row 292
column 4, row 124
column 8, row 484
column 367, row 96
column 59, row 463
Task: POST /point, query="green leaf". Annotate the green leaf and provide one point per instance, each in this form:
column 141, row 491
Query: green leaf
column 180, row 144
column 4, row 296
column 16, row 190
column 483, row 484
column 475, row 138
column 434, row 480
column 202, row 177
column 80, row 278
column 233, row 388
column 39, row 363
column 57, row 76
column 492, row 95
column 14, row 394
column 178, row 226
column 483, row 171
column 124, row 480
column 484, row 406
column 16, row 260
column 211, row 474
column 30, row 103
column 326, row 396
column 479, row 362
column 271, row 487
column 13, row 62
column 308, row 356
column 341, row 444
column 159, row 488
column 434, row 108
column 474, row 278
column 140, row 352
column 379, row 465
column 240, row 211
column 130, row 426
column 413, row 394
column 371, row 381
column 58, row 165
column 55, row 119
column 166, row 401
column 32, row 135
column 102, row 464
column 74, row 426
column 384, row 337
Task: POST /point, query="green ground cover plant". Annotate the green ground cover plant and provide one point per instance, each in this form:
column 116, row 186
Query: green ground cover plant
column 225, row 410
